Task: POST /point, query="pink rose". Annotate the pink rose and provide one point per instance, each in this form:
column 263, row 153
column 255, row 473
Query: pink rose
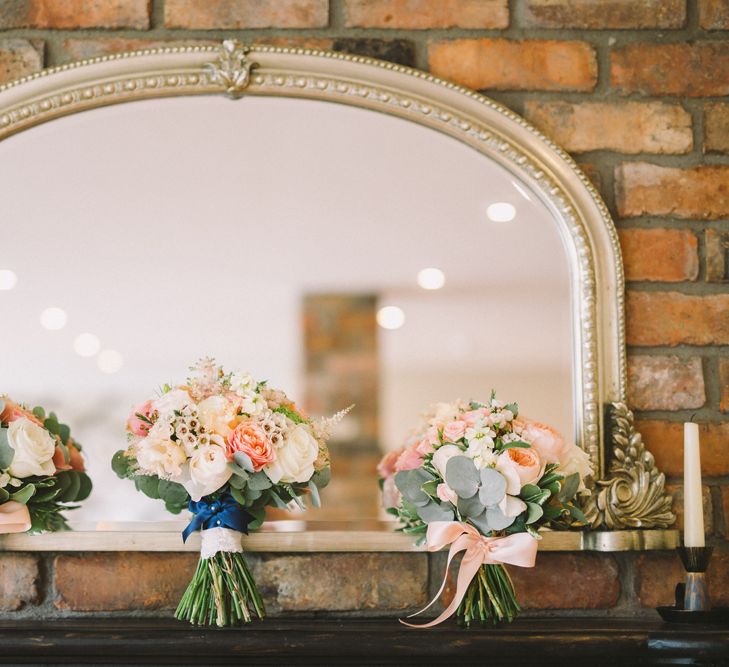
column 410, row 459
column 454, row 430
column 390, row 494
column 520, row 466
column 446, row 494
column 386, row 467
column 424, row 447
column 250, row 439
column 548, row 442
column 136, row 424
column 432, row 435
column 472, row 417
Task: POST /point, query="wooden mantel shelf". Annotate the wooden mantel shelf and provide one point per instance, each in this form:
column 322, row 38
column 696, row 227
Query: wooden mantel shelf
column 301, row 536
column 566, row 641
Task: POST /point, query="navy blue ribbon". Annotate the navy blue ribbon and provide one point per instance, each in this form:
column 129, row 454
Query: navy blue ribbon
column 225, row 512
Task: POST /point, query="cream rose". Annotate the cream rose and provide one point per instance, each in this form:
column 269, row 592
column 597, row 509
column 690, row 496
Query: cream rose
column 34, row 448
column 206, row 471
column 161, row 457
column 295, row 458
column 215, row 414
column 175, row 400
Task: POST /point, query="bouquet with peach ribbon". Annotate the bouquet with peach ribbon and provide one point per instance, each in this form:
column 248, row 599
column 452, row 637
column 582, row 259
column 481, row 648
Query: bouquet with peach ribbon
column 476, row 478
column 224, row 446
column 41, row 470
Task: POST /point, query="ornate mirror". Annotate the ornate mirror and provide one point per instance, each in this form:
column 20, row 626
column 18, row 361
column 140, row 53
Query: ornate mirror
column 353, row 230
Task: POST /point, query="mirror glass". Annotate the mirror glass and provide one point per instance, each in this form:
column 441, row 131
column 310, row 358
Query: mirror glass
column 344, row 255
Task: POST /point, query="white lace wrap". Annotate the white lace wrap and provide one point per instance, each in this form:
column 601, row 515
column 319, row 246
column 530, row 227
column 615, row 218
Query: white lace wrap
column 214, row 540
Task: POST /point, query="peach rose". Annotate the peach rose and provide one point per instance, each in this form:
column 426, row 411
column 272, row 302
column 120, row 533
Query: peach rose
column 248, row 437
column 75, row 460
column 520, row 466
column 135, row 424
column 12, row 411
column 410, row 459
column 454, row 430
column 386, row 467
column 548, row 442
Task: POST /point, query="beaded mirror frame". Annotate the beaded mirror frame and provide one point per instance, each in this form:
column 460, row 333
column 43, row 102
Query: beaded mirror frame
column 628, row 490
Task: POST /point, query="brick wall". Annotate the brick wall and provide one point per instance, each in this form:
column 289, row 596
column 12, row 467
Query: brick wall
column 635, row 89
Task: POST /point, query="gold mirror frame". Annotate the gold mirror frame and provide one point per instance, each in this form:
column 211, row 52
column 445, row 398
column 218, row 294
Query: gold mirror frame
column 628, row 491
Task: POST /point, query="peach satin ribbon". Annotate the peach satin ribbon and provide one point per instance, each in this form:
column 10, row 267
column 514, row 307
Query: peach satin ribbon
column 14, row 517
column 519, row 549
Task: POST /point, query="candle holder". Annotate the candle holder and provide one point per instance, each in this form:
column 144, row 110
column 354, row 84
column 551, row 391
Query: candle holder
column 693, row 604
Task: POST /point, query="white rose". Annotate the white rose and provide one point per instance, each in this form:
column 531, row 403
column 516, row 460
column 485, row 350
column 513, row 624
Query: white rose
column 295, row 457
column 242, row 383
column 34, row 448
column 206, row 471
column 443, row 455
column 161, row 457
column 173, row 401
column 4, row 480
column 578, row 460
column 215, row 414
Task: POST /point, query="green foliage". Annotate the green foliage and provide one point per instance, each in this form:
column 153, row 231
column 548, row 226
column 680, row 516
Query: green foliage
column 71, row 483
column 121, row 464
column 291, row 414
column 174, row 495
column 259, row 481
column 148, row 485
column 6, row 451
column 322, row 477
column 24, row 494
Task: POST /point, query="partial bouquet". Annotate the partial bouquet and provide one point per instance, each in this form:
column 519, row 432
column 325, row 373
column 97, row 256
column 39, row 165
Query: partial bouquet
column 224, row 446
column 41, row 470
column 476, row 477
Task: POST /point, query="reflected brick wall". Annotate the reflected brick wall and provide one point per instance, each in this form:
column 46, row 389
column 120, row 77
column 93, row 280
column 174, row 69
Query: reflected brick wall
column 637, row 91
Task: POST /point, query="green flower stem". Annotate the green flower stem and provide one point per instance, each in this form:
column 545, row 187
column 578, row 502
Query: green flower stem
column 490, row 597
column 222, row 592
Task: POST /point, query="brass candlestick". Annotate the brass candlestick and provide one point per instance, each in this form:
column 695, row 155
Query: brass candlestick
column 696, row 561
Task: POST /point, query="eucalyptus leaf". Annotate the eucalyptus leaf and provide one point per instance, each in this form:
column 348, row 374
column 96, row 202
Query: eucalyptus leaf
column 481, row 522
column 322, row 477
column 410, row 483
column 24, row 495
column 121, row 464
column 315, row 499
column 277, row 501
column 434, row 511
column 68, row 495
column 172, row 493
column 577, row 514
column 64, row 432
column 4, row 495
column 39, row 412
column 148, row 485
column 534, row 512
column 2, row 406
column 493, row 487
column 497, row 519
column 259, row 481
column 461, row 475
column 85, row 487
column 471, row 507
column 244, row 461
column 569, row 487
column 252, row 494
column 513, row 407
column 237, row 482
column 239, row 472
column 6, row 451
column 529, row 491
column 238, row 496
column 51, row 423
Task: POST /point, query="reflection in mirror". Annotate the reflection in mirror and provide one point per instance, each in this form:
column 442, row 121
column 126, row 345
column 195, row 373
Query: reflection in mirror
column 345, row 255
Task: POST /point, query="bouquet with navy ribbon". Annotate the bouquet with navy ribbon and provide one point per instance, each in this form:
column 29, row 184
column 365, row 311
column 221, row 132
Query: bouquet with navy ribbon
column 225, row 447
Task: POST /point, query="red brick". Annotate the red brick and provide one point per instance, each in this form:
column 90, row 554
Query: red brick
column 724, row 382
column 716, row 127
column 343, row 581
column 725, row 508
column 676, row 491
column 19, row 578
column 649, row 189
column 665, row 383
column 503, row 64
column 64, row 14
column 714, row 14
column 238, row 14
column 698, row 69
column 592, row 171
column 605, row 14
column 627, row 127
column 656, row 576
column 593, row 582
column 670, row 318
column 424, row 14
column 19, row 57
column 663, row 255
column 717, row 253
column 122, row 581
column 82, row 49
column 665, row 441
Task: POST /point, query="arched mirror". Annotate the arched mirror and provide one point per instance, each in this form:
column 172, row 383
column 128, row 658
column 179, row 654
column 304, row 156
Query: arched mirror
column 350, row 230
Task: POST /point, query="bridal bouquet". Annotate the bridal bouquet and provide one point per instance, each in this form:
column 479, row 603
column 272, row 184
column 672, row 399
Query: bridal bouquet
column 225, row 446
column 477, row 478
column 41, row 470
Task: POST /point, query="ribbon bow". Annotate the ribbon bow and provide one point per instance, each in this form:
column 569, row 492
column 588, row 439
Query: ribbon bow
column 225, row 512
column 14, row 517
column 519, row 549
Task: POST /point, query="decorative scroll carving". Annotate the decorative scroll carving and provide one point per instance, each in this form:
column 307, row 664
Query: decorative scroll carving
column 633, row 494
column 232, row 69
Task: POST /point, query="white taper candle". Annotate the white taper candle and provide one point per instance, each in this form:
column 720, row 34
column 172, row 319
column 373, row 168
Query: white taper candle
column 693, row 507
